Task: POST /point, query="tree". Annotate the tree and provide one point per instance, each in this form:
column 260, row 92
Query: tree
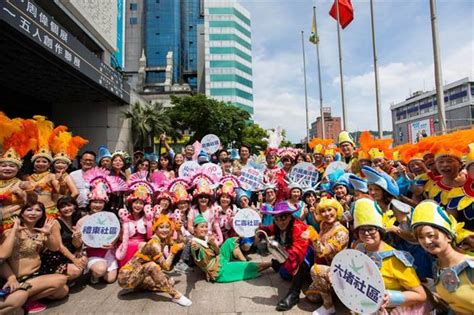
column 252, row 136
column 148, row 121
column 201, row 116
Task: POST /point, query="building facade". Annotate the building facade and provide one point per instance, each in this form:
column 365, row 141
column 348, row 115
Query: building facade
column 228, row 53
column 162, row 44
column 417, row 116
column 56, row 59
column 332, row 126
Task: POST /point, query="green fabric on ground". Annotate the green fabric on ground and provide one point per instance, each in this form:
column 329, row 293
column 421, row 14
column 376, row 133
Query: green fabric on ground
column 231, row 271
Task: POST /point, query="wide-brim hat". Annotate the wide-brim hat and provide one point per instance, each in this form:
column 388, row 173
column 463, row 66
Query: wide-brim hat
column 281, row 207
column 357, row 183
column 381, row 179
column 402, row 207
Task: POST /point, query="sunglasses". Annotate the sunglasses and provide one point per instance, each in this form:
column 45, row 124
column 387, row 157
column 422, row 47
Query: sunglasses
column 282, row 217
column 367, row 230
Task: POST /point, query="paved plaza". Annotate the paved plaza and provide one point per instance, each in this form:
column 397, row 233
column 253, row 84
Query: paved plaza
column 256, row 296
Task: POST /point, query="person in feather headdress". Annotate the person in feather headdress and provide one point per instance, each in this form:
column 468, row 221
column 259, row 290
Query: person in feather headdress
column 17, row 138
column 65, row 148
column 44, row 182
column 136, row 217
column 101, row 261
column 448, row 189
column 319, row 147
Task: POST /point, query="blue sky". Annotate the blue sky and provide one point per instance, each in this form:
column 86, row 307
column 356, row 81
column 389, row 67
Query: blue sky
column 404, row 48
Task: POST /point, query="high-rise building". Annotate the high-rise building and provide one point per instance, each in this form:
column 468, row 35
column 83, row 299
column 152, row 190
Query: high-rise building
column 161, row 45
column 228, row 53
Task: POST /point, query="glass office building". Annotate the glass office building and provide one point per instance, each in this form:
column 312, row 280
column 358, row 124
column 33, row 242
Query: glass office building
column 228, row 53
column 171, row 25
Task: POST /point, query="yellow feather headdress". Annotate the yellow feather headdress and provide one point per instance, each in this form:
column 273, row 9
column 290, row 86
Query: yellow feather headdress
column 45, row 129
column 64, row 146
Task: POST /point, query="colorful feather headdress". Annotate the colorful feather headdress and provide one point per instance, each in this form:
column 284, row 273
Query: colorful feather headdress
column 101, row 184
column 17, row 137
column 371, row 148
column 455, row 144
column 45, row 129
column 64, row 146
column 319, row 145
column 178, row 188
column 140, row 187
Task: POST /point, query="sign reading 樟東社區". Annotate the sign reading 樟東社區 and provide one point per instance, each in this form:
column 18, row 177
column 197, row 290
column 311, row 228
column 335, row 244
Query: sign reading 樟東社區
column 100, row 229
column 357, row 281
column 246, row 221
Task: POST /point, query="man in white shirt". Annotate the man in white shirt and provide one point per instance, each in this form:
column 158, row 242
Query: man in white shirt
column 87, row 162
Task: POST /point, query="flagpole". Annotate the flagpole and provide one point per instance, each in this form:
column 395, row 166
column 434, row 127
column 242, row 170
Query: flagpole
column 344, row 115
column 437, row 69
column 376, row 72
column 305, row 92
column 323, row 127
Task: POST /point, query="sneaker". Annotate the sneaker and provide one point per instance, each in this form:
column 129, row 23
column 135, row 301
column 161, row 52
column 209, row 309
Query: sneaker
column 183, row 301
column 325, row 311
column 34, row 307
column 181, row 266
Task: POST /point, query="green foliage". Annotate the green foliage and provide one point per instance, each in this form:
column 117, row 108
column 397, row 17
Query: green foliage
column 147, row 121
column 253, row 135
column 201, row 116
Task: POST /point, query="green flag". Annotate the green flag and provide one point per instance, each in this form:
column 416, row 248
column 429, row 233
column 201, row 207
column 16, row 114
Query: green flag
column 314, row 38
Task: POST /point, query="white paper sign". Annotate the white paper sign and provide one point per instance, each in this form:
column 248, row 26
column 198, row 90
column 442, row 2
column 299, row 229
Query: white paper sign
column 246, row 221
column 100, row 229
column 307, row 171
column 187, row 168
column 251, row 179
column 210, row 143
column 212, row 169
column 357, row 281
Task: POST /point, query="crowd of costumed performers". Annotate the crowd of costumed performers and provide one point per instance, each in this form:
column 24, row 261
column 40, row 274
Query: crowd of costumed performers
column 409, row 209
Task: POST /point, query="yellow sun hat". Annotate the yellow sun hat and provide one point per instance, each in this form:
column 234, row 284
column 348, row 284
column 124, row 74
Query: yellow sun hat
column 367, row 212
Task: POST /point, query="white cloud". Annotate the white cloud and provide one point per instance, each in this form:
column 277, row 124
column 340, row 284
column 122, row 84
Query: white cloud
column 397, row 79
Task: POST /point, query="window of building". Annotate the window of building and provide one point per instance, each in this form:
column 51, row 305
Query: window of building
column 133, row 20
column 133, row 6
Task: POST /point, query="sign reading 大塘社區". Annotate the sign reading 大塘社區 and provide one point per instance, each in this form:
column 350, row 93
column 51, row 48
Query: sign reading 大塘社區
column 357, row 281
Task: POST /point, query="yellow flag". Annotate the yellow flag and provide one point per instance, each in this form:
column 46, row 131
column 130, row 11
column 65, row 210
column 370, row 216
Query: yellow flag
column 314, row 38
